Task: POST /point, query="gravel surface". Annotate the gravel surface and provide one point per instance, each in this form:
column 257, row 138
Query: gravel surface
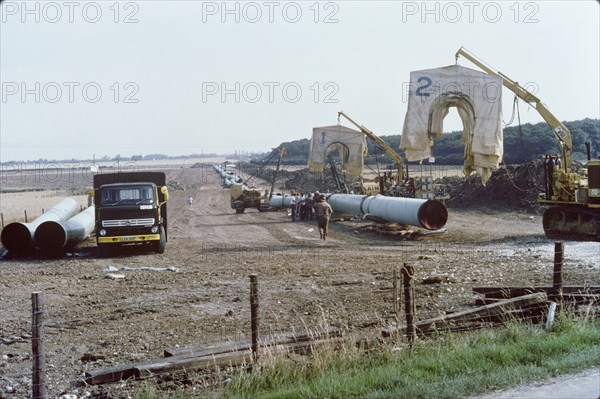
column 94, row 322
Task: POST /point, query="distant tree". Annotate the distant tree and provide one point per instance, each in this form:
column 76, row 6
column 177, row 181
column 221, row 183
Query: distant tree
column 522, row 144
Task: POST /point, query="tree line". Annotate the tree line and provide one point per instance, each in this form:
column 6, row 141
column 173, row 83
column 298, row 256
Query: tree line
column 523, row 143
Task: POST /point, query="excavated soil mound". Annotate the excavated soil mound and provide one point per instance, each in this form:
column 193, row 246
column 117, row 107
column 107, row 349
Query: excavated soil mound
column 300, row 180
column 512, row 187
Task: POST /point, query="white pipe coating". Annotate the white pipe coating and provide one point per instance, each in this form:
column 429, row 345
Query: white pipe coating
column 429, row 214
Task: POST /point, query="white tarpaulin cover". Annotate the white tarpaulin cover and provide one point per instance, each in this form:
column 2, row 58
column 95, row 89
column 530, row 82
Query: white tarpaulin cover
column 351, row 145
column 478, row 99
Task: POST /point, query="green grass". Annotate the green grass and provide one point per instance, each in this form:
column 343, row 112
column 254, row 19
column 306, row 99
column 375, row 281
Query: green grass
column 451, row 366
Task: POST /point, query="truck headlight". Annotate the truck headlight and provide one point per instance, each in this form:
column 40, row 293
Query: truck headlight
column 102, row 232
column 154, row 229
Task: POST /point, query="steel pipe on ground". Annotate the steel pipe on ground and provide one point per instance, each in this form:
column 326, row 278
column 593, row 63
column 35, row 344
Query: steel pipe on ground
column 277, row 201
column 19, row 237
column 53, row 236
column 428, row 214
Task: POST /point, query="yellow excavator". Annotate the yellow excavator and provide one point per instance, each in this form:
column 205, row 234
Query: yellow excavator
column 572, row 197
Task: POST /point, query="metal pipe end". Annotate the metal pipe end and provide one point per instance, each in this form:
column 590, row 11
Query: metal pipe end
column 50, row 236
column 16, row 237
column 433, row 215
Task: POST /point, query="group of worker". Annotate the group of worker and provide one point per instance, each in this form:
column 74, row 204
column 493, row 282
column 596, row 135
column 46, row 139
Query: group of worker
column 309, row 207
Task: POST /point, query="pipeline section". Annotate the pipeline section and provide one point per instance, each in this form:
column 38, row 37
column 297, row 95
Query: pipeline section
column 54, row 236
column 229, row 179
column 285, row 201
column 19, row 237
column 278, row 201
column 428, row 214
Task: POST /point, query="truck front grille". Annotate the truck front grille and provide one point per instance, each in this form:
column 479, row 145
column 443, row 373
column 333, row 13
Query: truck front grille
column 128, row 222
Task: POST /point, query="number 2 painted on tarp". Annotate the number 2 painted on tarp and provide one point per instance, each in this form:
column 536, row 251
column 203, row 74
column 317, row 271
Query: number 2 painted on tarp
column 420, row 89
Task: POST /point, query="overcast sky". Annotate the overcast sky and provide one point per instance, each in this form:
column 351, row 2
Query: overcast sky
column 182, row 77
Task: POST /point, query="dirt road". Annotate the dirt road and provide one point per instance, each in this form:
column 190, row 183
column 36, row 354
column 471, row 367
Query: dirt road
column 94, row 322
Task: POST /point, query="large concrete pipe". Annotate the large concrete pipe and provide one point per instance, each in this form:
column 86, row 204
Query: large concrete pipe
column 428, row 214
column 18, row 237
column 52, row 236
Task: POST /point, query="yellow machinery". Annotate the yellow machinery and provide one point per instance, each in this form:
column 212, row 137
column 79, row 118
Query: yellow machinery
column 572, row 197
column 396, row 184
column 243, row 197
column 399, row 178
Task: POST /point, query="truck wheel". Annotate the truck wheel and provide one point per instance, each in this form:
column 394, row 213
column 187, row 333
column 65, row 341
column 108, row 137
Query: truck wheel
column 162, row 243
column 239, row 207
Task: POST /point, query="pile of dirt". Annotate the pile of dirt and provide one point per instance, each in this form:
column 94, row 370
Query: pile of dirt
column 305, row 181
column 300, row 180
column 511, row 187
column 175, row 185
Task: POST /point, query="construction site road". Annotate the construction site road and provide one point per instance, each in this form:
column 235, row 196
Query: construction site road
column 198, row 291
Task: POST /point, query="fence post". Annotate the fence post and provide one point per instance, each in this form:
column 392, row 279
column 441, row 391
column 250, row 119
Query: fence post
column 254, row 314
column 395, row 294
column 25, row 212
column 557, row 283
column 408, row 272
column 2, row 217
column 37, row 346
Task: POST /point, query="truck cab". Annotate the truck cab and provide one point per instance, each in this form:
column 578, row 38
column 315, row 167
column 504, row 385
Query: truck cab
column 130, row 211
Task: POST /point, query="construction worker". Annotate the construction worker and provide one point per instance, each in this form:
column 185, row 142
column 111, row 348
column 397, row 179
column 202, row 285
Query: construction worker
column 316, row 208
column 308, row 208
column 325, row 212
column 294, row 206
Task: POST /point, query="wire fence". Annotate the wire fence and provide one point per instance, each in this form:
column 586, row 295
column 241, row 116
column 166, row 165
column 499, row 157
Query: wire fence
column 85, row 322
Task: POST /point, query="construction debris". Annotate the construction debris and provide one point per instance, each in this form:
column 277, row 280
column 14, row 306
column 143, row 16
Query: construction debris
column 531, row 307
column 573, row 294
column 213, row 356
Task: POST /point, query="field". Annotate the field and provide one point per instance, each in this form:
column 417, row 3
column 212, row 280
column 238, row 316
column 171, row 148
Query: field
column 94, row 322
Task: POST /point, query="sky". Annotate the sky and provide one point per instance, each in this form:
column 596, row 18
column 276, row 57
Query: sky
column 106, row 78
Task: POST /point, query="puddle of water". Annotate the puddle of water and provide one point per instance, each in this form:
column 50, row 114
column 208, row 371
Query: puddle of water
column 585, row 253
column 505, row 252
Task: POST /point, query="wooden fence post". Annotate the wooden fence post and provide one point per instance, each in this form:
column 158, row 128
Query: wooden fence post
column 37, row 346
column 408, row 272
column 254, row 314
column 2, row 217
column 557, row 283
column 25, row 212
column 395, row 294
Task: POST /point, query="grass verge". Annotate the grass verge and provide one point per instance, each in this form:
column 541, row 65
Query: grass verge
column 450, row 366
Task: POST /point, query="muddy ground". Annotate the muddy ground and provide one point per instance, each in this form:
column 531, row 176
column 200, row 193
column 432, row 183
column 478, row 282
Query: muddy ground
column 94, row 322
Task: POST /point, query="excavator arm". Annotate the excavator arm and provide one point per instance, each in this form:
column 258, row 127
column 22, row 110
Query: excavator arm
column 565, row 141
column 572, row 198
column 389, row 150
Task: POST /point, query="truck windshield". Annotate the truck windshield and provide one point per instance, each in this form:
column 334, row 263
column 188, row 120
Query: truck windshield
column 127, row 195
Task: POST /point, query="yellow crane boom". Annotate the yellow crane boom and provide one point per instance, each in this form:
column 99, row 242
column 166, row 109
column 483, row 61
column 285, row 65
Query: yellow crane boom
column 565, row 141
column 389, row 150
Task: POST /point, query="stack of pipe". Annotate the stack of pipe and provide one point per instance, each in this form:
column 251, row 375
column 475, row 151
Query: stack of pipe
column 54, row 236
column 19, row 237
